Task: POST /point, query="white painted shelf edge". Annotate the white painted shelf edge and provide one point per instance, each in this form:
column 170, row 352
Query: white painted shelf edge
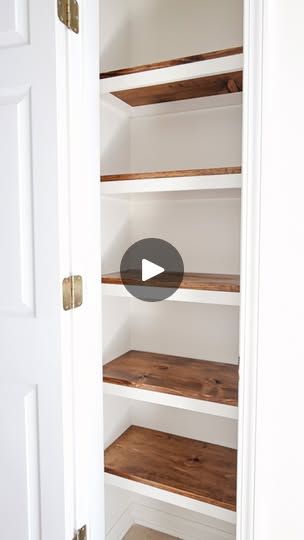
column 171, row 498
column 202, row 68
column 182, row 295
column 170, row 400
column 177, row 523
column 190, row 183
column 173, row 107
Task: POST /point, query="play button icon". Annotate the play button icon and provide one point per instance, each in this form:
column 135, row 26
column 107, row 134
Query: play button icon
column 152, row 269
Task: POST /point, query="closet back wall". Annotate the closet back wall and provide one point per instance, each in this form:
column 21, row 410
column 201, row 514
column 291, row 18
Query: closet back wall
column 137, row 32
column 184, row 140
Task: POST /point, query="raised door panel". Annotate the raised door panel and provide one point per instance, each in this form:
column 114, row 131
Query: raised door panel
column 19, row 487
column 16, row 203
column 14, row 23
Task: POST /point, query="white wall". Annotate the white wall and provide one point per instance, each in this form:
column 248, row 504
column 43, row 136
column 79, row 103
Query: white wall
column 142, row 31
column 164, row 29
column 115, row 37
column 115, row 152
column 206, row 332
column 206, row 232
column 196, row 139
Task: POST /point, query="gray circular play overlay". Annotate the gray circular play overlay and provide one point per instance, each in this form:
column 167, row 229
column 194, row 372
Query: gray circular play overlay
column 144, row 255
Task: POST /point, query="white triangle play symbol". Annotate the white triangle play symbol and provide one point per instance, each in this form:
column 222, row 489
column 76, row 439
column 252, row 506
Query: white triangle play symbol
column 150, row 270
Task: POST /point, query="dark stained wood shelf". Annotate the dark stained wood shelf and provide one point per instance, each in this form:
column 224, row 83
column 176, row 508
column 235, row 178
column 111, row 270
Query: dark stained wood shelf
column 214, row 85
column 204, row 86
column 199, row 470
column 214, row 171
column 187, row 377
column 194, row 281
column 170, row 63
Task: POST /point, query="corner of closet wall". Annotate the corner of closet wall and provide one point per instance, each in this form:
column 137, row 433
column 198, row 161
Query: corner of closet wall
column 170, row 169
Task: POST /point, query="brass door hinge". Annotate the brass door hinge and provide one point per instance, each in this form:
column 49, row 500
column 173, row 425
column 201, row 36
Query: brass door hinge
column 81, row 534
column 68, row 13
column 72, row 292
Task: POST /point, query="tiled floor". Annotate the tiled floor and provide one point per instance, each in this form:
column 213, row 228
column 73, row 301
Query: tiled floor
column 137, row 532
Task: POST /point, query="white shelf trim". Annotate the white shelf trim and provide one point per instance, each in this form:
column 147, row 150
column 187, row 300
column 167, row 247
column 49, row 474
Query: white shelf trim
column 170, row 400
column 174, row 107
column 182, row 295
column 171, row 498
column 189, row 183
column 172, row 74
column 179, row 523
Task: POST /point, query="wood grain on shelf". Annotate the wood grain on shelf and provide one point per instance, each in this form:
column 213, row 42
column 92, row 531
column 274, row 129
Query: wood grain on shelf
column 213, row 85
column 170, row 63
column 195, row 281
column 187, row 377
column 199, row 470
column 170, row 174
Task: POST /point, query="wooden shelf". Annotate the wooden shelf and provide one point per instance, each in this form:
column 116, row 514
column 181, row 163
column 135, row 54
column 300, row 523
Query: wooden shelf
column 171, row 63
column 193, row 281
column 193, row 469
column 214, row 85
column 162, row 175
column 213, row 182
column 185, row 377
column 202, row 75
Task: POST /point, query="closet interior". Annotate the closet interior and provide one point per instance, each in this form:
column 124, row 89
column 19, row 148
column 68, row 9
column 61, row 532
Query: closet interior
column 171, row 153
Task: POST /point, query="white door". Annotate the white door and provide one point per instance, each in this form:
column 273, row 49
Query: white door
column 42, row 397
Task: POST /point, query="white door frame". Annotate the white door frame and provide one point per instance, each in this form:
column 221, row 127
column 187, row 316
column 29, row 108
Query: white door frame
column 271, row 441
column 82, row 111
column 251, row 188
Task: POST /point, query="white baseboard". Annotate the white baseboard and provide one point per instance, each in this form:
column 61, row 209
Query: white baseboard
column 170, row 523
